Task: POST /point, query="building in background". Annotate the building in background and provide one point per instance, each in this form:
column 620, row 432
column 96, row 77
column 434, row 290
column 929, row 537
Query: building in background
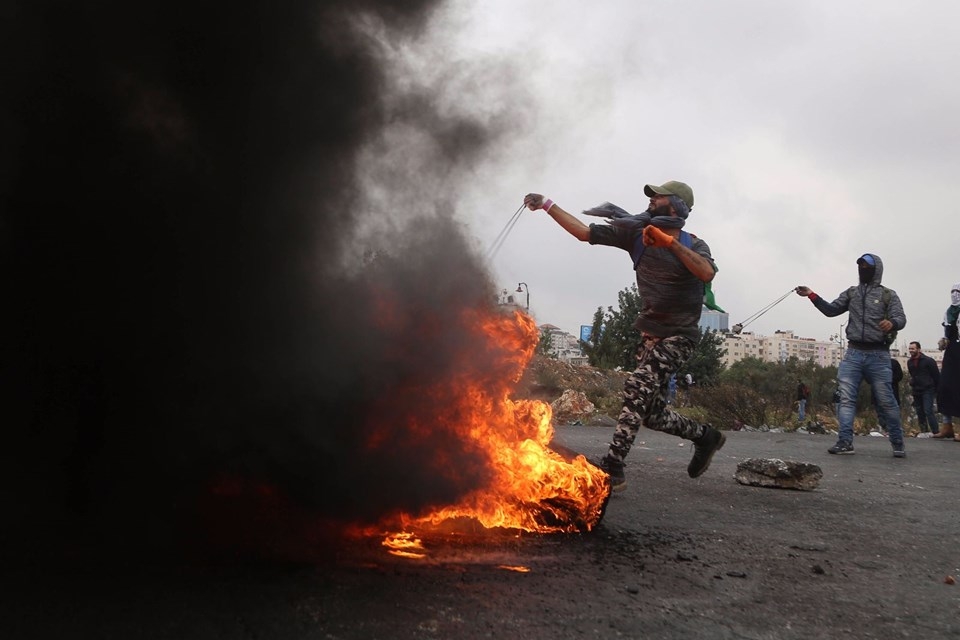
column 783, row 345
column 507, row 299
column 780, row 347
column 714, row 320
column 741, row 346
column 563, row 346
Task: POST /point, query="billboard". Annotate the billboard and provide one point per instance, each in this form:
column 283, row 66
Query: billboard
column 586, row 330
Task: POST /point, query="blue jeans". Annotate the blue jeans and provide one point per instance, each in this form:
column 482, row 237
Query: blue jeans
column 923, row 403
column 874, row 367
column 803, row 407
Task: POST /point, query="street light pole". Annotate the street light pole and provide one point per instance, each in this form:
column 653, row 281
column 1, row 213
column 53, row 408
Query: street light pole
column 838, row 338
column 520, row 288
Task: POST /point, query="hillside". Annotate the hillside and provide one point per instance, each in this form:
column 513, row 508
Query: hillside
column 546, row 379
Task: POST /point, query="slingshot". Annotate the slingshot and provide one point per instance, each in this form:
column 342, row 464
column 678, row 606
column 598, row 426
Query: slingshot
column 737, row 328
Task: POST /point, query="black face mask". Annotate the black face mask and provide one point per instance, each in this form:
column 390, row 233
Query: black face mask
column 866, row 273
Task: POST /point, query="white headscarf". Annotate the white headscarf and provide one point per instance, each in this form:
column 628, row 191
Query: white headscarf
column 955, row 295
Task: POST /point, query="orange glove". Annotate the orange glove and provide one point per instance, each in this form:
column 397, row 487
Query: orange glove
column 654, row 237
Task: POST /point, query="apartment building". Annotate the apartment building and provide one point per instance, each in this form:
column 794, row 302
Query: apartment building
column 780, row 347
column 563, row 346
column 783, row 345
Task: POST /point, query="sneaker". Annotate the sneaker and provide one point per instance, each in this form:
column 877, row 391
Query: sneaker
column 898, row 450
column 842, row 448
column 704, row 447
column 614, row 469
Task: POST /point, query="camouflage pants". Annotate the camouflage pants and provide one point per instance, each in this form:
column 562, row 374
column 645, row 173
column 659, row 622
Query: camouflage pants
column 645, row 394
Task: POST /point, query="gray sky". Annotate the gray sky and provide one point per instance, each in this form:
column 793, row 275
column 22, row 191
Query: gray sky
column 811, row 132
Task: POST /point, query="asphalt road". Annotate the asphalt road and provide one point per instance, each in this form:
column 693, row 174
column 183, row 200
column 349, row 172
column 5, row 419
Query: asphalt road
column 864, row 556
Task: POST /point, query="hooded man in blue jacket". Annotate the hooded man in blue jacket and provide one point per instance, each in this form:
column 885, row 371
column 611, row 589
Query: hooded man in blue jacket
column 876, row 314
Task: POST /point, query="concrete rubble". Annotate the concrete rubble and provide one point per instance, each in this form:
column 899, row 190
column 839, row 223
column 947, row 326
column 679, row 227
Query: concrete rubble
column 779, row 474
column 572, row 405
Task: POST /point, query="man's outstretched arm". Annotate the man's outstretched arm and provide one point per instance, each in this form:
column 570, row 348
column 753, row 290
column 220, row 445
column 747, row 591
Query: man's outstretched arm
column 572, row 225
column 829, row 309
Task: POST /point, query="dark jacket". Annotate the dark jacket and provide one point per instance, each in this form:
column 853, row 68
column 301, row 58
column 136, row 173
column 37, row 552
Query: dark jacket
column 671, row 297
column 924, row 373
column 896, row 376
column 897, row 373
column 867, row 309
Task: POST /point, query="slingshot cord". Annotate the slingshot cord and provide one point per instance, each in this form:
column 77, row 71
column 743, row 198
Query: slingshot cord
column 765, row 309
column 502, row 236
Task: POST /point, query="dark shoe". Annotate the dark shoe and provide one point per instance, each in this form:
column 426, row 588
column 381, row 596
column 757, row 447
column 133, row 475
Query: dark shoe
column 944, row 434
column 842, row 448
column 898, row 450
column 704, row 447
column 613, row 468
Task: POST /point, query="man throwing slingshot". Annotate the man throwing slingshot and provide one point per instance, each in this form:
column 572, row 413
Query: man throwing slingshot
column 672, row 268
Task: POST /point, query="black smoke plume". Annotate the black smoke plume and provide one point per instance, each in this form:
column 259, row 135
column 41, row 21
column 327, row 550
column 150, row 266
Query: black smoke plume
column 194, row 282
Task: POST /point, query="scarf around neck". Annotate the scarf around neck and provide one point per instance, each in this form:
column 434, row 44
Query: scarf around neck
column 622, row 219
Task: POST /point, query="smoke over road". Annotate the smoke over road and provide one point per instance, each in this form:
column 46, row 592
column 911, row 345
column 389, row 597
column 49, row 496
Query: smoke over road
column 216, row 271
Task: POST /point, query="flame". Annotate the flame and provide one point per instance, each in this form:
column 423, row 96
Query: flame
column 529, row 486
column 405, row 545
column 514, row 567
column 458, row 429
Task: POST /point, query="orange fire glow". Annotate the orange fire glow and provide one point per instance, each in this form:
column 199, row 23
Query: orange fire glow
column 515, row 568
column 405, row 545
column 531, row 487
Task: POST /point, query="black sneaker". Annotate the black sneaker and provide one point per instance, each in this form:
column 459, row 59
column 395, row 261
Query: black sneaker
column 898, row 450
column 613, row 468
column 842, row 448
column 704, row 447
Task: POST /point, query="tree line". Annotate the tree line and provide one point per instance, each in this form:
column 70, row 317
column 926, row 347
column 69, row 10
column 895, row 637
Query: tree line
column 614, row 341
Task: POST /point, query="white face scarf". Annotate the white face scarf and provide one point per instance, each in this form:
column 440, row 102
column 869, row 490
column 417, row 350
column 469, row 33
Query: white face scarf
column 955, row 295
